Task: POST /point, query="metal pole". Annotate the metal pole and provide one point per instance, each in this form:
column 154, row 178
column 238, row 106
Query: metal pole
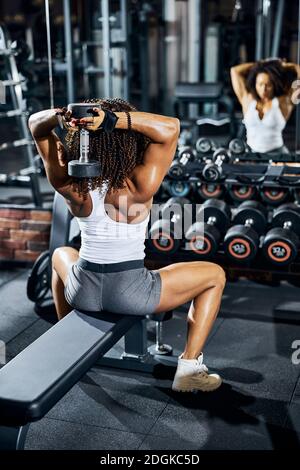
column 144, row 58
column 194, row 37
column 69, row 52
column 278, row 28
column 126, row 46
column 106, row 48
column 268, row 26
column 259, row 30
column 171, row 55
column 49, row 52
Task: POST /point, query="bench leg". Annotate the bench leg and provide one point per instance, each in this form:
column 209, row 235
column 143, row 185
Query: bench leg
column 13, row 438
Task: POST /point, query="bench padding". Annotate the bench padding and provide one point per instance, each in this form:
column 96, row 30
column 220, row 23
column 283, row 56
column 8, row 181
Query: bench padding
column 32, row 382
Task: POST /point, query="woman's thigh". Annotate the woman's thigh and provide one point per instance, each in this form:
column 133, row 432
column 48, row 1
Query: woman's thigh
column 182, row 282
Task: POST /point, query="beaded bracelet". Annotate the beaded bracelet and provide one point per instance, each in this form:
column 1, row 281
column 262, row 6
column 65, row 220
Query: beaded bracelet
column 129, row 125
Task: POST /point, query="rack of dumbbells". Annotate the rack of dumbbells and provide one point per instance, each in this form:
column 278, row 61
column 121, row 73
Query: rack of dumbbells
column 243, row 210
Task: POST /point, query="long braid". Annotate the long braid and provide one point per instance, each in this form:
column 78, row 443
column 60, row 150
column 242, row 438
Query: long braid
column 119, row 152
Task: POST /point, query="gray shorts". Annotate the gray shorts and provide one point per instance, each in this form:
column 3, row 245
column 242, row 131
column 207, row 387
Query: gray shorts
column 126, row 287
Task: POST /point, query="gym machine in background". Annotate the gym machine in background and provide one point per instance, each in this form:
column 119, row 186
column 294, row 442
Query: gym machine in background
column 15, row 82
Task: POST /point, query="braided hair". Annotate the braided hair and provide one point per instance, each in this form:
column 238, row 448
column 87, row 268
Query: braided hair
column 119, row 151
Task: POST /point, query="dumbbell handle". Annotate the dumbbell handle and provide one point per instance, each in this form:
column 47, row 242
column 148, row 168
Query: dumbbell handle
column 287, row 225
column 211, row 220
column 249, row 223
column 84, row 145
column 219, row 160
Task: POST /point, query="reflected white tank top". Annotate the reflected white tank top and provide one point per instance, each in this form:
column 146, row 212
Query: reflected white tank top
column 264, row 135
column 106, row 241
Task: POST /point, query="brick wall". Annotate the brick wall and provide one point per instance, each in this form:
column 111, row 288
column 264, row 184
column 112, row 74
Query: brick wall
column 24, row 233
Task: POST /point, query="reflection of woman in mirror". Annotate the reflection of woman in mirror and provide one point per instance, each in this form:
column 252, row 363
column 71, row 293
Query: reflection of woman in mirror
column 265, row 91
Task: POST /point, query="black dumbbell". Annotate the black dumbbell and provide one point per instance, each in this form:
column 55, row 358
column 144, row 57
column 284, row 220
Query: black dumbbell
column 185, row 155
column 210, row 190
column 281, row 243
column 205, row 146
column 167, row 233
column 213, row 170
column 238, row 147
column 179, row 188
column 83, row 167
column 274, row 196
column 242, row 192
column 241, row 242
column 204, row 237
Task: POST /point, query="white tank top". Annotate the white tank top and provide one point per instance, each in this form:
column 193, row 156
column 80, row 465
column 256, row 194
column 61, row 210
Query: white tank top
column 105, row 241
column 264, row 135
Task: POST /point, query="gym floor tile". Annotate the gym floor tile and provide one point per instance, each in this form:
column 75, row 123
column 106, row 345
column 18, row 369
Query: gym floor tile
column 8, row 275
column 14, row 299
column 12, row 325
column 220, row 420
column 51, row 434
column 261, row 351
column 27, row 336
column 120, row 401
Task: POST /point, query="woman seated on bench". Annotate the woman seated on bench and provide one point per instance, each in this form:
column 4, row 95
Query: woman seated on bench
column 113, row 211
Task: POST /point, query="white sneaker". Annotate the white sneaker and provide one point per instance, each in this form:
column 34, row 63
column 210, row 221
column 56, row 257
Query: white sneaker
column 192, row 375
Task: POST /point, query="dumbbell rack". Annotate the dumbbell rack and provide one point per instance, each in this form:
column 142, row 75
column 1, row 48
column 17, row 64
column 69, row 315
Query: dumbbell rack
column 249, row 170
column 262, row 271
column 259, row 175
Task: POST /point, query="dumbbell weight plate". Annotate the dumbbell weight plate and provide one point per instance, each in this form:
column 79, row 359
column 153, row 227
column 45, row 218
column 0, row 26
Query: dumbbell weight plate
column 173, row 201
column 221, row 153
column 78, row 169
column 176, row 170
column 237, row 146
column 39, row 280
column 161, row 238
column 241, row 243
column 82, row 110
column 204, row 145
column 280, row 246
column 212, row 172
column 274, row 196
column 203, row 239
column 287, row 212
column 179, row 188
column 252, row 210
column 217, row 209
column 241, row 193
column 210, row 190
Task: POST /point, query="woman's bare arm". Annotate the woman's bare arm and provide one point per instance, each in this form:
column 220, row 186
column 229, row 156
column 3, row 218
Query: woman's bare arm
column 53, row 154
column 238, row 75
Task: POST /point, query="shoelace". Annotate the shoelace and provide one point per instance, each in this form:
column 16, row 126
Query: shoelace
column 202, row 369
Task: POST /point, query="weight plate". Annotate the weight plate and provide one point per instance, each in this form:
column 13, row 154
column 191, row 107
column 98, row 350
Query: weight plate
column 39, row 280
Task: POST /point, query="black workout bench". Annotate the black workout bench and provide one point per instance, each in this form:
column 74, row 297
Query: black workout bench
column 38, row 377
